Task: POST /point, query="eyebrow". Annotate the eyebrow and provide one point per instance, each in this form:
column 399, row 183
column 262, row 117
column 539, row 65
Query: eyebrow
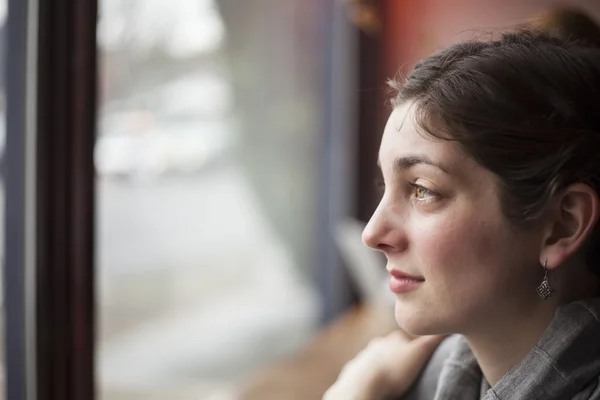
column 402, row 164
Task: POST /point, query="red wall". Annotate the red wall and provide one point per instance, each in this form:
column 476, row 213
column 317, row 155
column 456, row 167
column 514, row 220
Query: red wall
column 416, row 28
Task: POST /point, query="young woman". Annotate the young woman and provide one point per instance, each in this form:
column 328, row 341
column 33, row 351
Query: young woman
column 489, row 222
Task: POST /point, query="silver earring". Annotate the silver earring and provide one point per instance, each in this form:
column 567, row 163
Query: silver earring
column 545, row 290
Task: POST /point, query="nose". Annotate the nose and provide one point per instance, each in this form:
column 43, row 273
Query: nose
column 384, row 233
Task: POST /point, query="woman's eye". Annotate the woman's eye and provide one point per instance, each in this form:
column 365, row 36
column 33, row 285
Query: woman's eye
column 423, row 194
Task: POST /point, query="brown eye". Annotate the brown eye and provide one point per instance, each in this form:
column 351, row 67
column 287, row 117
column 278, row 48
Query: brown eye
column 423, row 194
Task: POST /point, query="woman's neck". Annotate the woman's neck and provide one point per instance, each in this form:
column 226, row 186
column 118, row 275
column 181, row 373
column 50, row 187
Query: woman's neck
column 503, row 344
column 508, row 336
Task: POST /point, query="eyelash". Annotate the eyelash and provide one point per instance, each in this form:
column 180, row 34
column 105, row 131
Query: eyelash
column 430, row 194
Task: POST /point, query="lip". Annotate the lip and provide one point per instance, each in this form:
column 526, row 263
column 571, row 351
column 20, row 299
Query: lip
column 401, row 282
column 402, row 275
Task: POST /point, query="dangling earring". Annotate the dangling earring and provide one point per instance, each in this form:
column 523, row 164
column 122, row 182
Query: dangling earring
column 545, row 290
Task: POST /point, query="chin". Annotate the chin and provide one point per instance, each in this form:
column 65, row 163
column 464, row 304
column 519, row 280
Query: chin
column 418, row 322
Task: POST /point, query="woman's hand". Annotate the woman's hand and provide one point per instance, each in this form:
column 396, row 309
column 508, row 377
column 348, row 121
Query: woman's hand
column 385, row 369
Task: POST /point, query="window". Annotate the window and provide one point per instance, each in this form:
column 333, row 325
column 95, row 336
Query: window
column 207, row 161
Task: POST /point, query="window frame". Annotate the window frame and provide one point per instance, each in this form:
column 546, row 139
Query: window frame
column 49, row 269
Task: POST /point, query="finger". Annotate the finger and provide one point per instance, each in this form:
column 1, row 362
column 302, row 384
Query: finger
column 403, row 334
column 416, row 355
column 429, row 341
column 422, row 347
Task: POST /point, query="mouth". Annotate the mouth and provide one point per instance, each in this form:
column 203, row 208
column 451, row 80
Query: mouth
column 401, row 282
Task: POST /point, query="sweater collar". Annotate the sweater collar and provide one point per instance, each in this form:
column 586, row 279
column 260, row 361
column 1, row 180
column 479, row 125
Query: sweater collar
column 565, row 359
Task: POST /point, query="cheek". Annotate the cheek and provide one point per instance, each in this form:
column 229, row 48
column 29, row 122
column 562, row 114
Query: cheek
column 462, row 244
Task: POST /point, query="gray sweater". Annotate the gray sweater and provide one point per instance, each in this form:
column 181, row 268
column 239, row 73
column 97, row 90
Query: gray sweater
column 564, row 364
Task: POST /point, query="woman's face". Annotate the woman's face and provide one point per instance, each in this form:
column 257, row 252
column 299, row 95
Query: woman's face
column 440, row 220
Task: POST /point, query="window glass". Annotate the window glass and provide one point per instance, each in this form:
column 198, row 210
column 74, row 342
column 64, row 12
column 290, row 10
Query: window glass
column 206, row 158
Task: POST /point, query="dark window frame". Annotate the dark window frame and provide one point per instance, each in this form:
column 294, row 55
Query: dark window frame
column 51, row 108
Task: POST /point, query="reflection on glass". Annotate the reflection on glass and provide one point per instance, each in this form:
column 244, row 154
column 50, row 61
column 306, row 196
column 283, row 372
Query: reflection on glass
column 205, row 214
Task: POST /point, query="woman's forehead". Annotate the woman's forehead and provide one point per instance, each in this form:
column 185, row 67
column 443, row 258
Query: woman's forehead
column 403, row 137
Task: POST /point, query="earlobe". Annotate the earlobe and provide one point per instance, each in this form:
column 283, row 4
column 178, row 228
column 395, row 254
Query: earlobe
column 578, row 212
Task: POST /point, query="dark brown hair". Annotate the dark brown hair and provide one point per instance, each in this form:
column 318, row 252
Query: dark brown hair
column 526, row 106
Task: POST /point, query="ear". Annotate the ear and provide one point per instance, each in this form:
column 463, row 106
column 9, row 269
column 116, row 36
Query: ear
column 575, row 218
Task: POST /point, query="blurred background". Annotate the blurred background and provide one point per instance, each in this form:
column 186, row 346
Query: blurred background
column 208, row 161
column 235, row 160
column 234, row 137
